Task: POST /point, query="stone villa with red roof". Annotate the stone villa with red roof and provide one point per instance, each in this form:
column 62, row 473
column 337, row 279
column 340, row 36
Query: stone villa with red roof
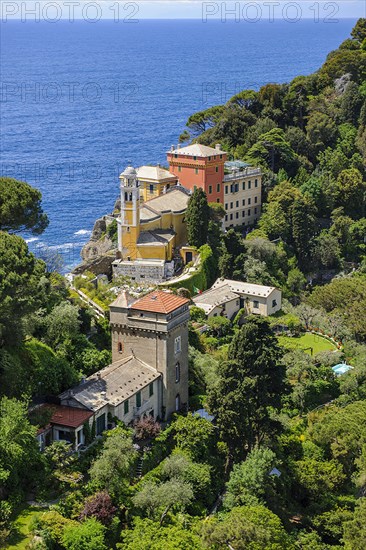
column 148, row 374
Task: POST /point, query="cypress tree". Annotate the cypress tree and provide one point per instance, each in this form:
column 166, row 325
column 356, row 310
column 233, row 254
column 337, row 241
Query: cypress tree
column 197, row 218
column 249, row 389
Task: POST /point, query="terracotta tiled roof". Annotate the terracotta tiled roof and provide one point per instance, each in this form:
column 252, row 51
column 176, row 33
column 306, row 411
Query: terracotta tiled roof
column 159, row 302
column 68, row 416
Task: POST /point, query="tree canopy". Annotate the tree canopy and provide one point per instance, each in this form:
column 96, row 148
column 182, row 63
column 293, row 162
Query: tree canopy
column 20, row 207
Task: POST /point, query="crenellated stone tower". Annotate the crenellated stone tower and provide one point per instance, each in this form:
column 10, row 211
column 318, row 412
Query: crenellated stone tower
column 155, row 330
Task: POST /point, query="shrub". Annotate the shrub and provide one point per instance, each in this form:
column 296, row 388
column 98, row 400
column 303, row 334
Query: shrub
column 100, row 507
column 146, row 427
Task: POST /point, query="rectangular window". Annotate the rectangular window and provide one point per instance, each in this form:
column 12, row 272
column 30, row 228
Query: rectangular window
column 237, row 215
column 176, row 156
column 249, row 212
column 243, row 213
column 255, row 210
column 218, row 188
column 243, row 185
column 274, row 303
column 255, row 200
column 179, row 168
column 178, row 344
column 220, row 156
column 210, row 189
column 63, row 435
column 100, row 427
column 216, row 169
column 255, row 304
column 151, row 188
column 231, row 216
column 217, row 200
column 126, row 406
column 196, row 170
column 226, row 206
column 255, row 183
column 177, row 372
column 249, row 184
column 226, row 218
column 138, row 399
column 226, row 189
column 236, row 187
column 243, row 202
column 194, row 158
column 151, row 389
column 237, row 204
column 231, row 205
column 209, row 158
column 249, row 201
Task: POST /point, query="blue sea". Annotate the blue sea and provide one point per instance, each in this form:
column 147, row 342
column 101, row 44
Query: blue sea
column 79, row 100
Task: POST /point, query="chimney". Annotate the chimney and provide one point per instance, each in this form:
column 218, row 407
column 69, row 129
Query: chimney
column 178, row 146
column 172, row 147
column 218, row 146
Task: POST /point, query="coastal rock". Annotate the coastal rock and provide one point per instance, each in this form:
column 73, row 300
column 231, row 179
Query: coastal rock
column 99, row 243
column 341, row 83
column 99, row 228
column 98, row 266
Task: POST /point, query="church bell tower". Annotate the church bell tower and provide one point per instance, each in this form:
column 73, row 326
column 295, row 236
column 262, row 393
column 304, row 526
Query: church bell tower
column 129, row 221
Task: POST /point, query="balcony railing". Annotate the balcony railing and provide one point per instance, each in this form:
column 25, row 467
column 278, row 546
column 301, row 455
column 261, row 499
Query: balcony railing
column 242, row 174
column 145, row 406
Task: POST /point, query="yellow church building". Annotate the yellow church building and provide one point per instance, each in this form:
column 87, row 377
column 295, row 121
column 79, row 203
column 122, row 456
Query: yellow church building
column 151, row 225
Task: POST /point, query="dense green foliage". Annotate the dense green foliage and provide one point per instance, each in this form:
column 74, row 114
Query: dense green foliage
column 281, row 461
column 20, row 207
column 249, row 388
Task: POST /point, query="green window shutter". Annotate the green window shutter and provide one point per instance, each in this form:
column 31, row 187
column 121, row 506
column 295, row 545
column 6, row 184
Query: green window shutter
column 138, row 399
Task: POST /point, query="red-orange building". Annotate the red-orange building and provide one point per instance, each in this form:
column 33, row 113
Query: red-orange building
column 199, row 166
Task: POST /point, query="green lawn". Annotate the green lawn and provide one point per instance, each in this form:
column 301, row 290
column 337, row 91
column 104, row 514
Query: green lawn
column 308, row 340
column 21, row 535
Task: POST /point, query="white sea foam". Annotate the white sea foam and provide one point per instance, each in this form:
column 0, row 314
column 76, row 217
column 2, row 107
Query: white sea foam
column 31, row 240
column 82, row 232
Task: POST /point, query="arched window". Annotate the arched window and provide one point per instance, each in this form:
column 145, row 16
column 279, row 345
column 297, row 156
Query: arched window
column 177, row 402
column 120, row 347
column 177, row 372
